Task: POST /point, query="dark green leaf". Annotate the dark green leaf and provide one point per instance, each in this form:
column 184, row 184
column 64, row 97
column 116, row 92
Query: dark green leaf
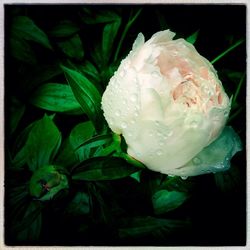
column 66, row 156
column 41, row 146
column 40, row 74
column 102, row 168
column 164, row 201
column 30, row 215
column 99, row 16
column 16, row 112
column 64, row 29
column 72, row 47
column 87, row 95
column 109, row 34
column 79, row 205
column 25, row 28
column 192, row 38
column 56, row 97
column 79, row 134
column 142, row 226
column 21, row 50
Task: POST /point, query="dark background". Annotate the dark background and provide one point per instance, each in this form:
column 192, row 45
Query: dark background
column 218, row 218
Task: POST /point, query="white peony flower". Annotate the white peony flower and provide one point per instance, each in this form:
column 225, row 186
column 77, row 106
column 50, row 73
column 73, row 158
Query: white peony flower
column 168, row 103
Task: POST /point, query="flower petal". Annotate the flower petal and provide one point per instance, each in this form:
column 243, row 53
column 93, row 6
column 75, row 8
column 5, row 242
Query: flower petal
column 213, row 158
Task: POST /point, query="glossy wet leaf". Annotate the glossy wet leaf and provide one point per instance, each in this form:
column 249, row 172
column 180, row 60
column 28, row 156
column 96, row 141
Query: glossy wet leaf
column 87, row 95
column 165, row 201
column 41, row 146
column 102, row 168
column 56, row 97
column 26, row 29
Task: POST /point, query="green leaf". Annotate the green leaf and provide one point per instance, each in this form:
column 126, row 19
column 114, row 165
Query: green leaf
column 26, row 29
column 16, row 113
column 40, row 74
column 41, row 146
column 31, row 213
column 215, row 157
column 142, row 226
column 21, row 50
column 87, row 95
column 66, row 156
column 165, row 201
column 79, row 134
column 232, row 47
column 65, row 28
column 102, row 168
column 192, row 38
column 72, row 47
column 56, row 97
column 80, row 204
column 109, row 34
column 98, row 16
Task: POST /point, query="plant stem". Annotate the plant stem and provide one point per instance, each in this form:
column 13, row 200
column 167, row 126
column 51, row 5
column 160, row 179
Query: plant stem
column 239, row 42
column 130, row 22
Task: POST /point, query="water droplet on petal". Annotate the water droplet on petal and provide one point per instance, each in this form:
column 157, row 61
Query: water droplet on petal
column 133, row 98
column 118, row 113
column 197, row 161
column 124, row 101
column 136, row 113
column 159, row 152
column 184, row 177
column 169, row 133
column 124, row 125
column 157, row 123
column 193, row 124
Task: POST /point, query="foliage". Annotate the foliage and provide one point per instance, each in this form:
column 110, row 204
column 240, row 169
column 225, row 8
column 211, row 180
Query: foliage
column 69, row 180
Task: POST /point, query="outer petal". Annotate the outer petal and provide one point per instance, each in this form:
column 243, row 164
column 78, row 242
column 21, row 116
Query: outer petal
column 213, row 158
column 162, row 148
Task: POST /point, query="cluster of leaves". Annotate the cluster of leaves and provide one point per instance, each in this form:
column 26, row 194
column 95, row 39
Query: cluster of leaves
column 68, row 178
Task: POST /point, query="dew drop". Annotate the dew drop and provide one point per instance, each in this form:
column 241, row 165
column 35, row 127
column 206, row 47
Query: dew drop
column 111, row 121
column 184, row 177
column 124, row 125
column 197, row 161
column 133, row 98
column 118, row 113
column 169, row 133
column 124, row 101
column 136, row 113
column 157, row 123
column 193, row 124
column 159, row 152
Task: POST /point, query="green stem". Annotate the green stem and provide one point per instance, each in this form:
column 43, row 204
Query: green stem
column 235, row 114
column 227, row 51
column 130, row 22
column 238, row 88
